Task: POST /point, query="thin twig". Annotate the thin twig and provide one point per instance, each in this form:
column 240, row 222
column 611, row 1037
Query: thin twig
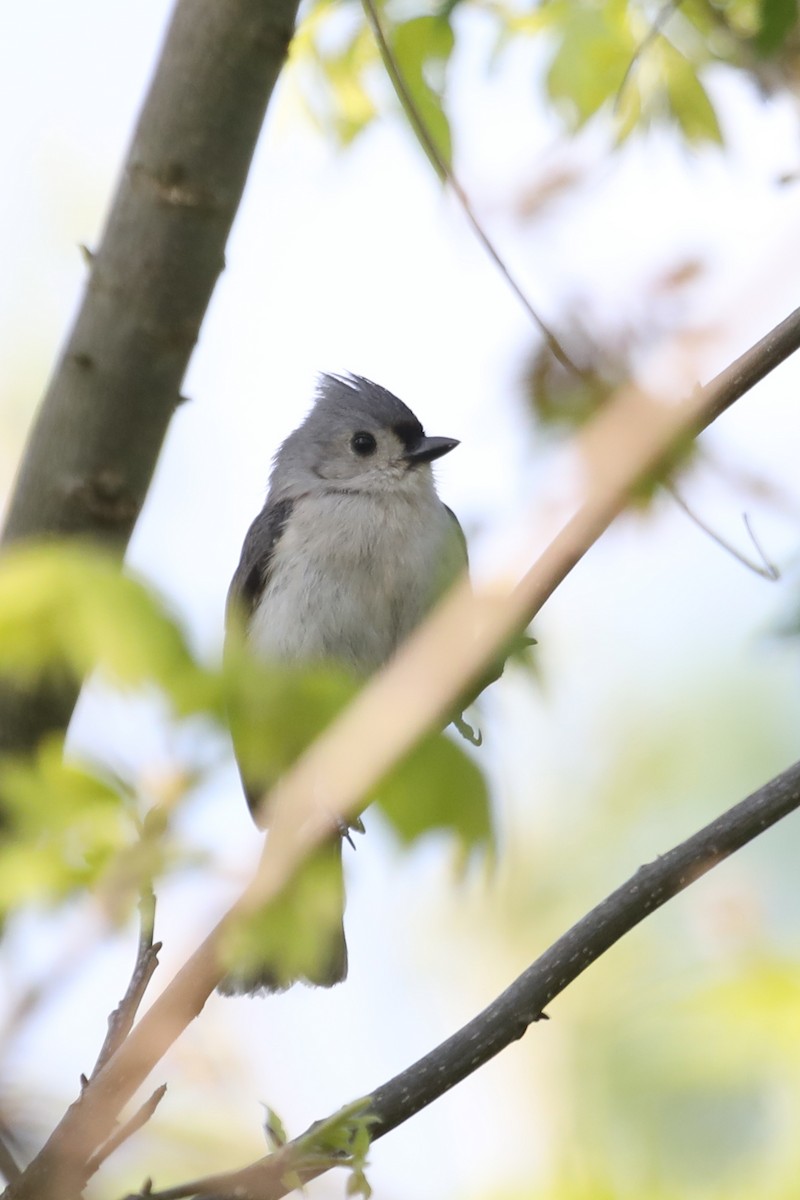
column 766, row 570
column 773, row 572
column 120, row 1022
column 127, row 1130
column 508, row 1017
column 653, row 32
column 447, row 175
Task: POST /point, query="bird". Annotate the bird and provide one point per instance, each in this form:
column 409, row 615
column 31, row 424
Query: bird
column 351, row 550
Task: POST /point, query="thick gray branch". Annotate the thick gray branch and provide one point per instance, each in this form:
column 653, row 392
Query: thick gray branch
column 99, row 430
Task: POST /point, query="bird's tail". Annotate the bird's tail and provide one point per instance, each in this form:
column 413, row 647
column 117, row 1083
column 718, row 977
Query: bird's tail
column 324, row 968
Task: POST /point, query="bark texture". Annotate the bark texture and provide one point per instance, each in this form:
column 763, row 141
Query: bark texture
column 96, row 438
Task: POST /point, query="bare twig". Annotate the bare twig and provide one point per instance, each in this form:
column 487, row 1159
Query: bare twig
column 447, row 175
column 631, row 438
column 508, row 1017
column 653, row 32
column 765, row 568
column 120, row 1022
column 132, row 1126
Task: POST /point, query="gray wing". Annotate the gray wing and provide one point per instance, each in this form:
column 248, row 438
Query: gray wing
column 473, row 736
column 258, row 552
column 246, row 589
column 462, row 539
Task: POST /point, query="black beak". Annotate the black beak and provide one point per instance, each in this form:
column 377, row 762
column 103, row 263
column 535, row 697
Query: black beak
column 429, row 448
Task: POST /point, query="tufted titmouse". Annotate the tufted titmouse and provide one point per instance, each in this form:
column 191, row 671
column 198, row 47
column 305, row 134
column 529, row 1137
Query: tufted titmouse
column 350, row 551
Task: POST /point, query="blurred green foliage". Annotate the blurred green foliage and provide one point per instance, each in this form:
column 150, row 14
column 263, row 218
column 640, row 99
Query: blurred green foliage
column 422, row 48
column 274, row 712
column 776, row 20
column 64, row 824
column 336, row 44
column 438, row 786
column 70, row 607
column 636, row 63
column 294, row 935
column 341, row 1140
column 674, row 1073
column 72, row 825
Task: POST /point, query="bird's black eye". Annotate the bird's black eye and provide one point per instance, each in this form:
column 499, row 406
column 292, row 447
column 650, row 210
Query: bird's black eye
column 363, row 443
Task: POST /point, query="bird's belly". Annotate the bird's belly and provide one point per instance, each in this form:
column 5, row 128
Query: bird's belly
column 356, row 617
column 351, row 579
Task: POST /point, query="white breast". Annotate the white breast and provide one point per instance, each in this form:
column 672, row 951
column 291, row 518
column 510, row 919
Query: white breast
column 352, row 575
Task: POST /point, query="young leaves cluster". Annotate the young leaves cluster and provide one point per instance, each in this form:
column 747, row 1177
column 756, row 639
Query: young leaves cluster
column 64, row 827
column 341, row 1140
column 72, row 825
column 69, row 608
column 637, row 64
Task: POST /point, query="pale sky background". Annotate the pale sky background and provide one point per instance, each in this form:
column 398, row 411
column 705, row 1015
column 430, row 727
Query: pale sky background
column 356, row 261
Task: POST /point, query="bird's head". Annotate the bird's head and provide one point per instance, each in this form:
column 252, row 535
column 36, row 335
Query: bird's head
column 358, row 437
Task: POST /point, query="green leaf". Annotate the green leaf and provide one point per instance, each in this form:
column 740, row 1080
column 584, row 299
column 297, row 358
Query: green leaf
column 358, row 1185
column 299, row 934
column 274, row 1129
column 64, row 826
column 589, row 66
column 276, row 711
column 360, row 1142
column 688, row 99
column 343, row 1140
column 71, row 607
column 422, row 48
column 438, row 786
column 778, row 19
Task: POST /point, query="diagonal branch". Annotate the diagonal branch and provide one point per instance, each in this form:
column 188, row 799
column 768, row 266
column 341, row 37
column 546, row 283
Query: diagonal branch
column 508, row 1017
column 99, row 430
column 620, row 447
